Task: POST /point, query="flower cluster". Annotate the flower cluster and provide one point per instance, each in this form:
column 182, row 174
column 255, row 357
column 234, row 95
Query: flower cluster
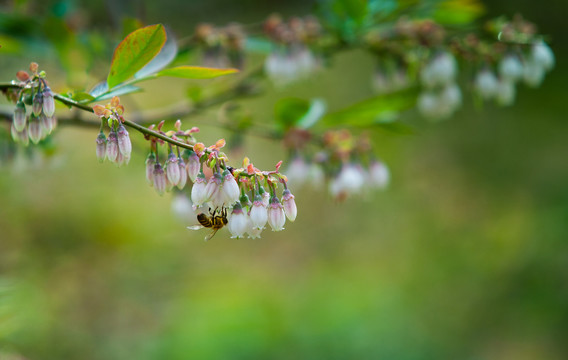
column 292, row 58
column 529, row 66
column 217, row 188
column 37, row 124
column 117, row 147
column 441, row 95
column 237, row 187
column 520, row 55
column 345, row 161
column 178, row 167
column 223, row 47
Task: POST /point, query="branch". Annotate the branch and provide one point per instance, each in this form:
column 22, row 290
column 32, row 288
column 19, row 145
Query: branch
column 240, row 89
column 181, row 110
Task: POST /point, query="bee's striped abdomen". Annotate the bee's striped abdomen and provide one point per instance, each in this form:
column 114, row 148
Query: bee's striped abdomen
column 204, row 220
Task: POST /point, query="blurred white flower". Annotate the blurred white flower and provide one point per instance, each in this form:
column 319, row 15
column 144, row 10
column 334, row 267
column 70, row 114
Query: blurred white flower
column 441, row 70
column 486, row 84
column 511, row 68
column 542, row 55
column 379, row 174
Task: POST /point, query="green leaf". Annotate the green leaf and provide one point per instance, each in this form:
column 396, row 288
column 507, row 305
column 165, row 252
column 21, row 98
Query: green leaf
column 123, row 90
column 458, row 12
column 313, row 115
column 83, row 97
column 288, row 111
column 99, row 89
column 374, row 110
column 393, row 126
column 195, row 72
column 135, row 51
column 163, row 59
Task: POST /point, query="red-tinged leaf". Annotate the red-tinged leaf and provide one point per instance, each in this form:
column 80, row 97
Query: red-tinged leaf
column 278, row 165
column 115, row 101
column 161, row 124
column 250, row 169
column 22, row 75
column 135, row 51
column 198, row 148
column 195, row 72
column 220, row 143
column 99, row 110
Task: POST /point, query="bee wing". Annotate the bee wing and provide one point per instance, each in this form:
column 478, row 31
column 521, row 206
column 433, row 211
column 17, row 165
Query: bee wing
column 195, row 227
column 213, row 232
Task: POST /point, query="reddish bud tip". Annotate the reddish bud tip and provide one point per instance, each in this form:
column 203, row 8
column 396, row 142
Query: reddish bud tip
column 33, row 67
column 199, row 148
column 114, row 102
column 22, row 75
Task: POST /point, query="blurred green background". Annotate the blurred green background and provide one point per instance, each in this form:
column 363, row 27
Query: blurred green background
column 465, row 256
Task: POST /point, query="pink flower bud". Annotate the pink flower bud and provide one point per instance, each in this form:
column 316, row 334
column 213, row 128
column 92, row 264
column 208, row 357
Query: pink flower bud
column 124, row 144
column 289, row 204
column 258, row 213
column 101, row 147
column 198, row 191
column 37, row 104
column 193, row 166
column 21, row 137
column 276, row 216
column 19, row 119
column 112, row 146
column 213, row 188
column 159, row 179
column 150, row 162
column 230, row 188
column 182, row 174
column 52, row 122
column 253, row 233
column 45, row 123
column 172, row 169
column 48, row 102
column 120, row 160
column 35, row 130
column 169, row 185
column 238, row 222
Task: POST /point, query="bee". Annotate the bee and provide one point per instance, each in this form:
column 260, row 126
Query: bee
column 215, row 220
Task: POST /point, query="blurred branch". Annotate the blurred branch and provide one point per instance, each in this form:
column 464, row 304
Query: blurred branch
column 180, row 110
